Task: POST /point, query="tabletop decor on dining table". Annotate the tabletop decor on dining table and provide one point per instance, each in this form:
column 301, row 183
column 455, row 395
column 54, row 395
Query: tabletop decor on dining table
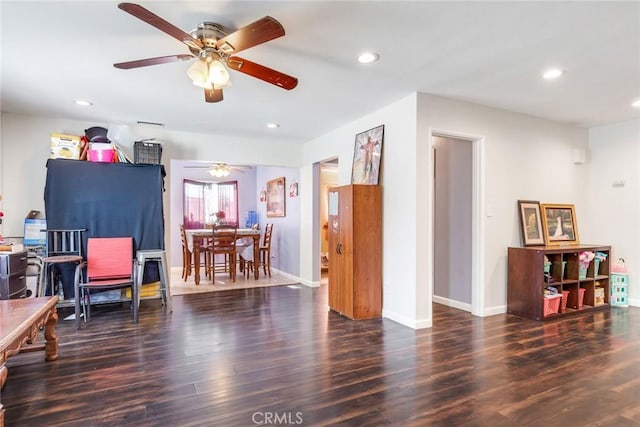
column 218, row 217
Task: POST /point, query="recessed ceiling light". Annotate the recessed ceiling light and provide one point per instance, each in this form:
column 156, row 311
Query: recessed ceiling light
column 636, row 103
column 368, row 57
column 553, row 73
column 273, row 125
column 83, row 102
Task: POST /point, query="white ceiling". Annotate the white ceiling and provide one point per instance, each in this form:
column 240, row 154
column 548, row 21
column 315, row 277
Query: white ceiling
column 491, row 53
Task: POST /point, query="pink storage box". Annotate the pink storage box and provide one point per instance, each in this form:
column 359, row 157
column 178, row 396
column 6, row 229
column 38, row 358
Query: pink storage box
column 551, row 304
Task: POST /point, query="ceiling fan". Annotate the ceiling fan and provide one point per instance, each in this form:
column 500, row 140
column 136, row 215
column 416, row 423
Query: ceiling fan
column 213, row 47
column 220, row 170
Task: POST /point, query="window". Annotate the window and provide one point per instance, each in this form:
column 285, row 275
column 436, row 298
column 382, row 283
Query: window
column 203, row 199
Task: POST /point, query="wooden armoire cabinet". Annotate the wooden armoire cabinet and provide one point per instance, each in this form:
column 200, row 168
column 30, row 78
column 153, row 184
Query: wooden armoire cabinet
column 355, row 251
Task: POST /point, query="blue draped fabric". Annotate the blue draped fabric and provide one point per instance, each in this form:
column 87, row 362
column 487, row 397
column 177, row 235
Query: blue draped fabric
column 108, row 200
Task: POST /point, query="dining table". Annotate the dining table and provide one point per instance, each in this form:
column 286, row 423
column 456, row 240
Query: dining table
column 196, row 236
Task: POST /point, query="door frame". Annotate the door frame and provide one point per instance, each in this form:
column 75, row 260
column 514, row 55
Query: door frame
column 478, row 235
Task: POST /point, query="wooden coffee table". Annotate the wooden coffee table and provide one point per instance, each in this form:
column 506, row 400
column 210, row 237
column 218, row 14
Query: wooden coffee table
column 20, row 322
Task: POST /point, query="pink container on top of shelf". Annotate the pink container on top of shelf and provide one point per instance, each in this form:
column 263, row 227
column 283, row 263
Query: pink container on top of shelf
column 99, row 152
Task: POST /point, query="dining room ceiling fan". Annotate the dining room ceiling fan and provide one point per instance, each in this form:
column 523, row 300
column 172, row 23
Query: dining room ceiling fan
column 219, row 170
column 215, row 50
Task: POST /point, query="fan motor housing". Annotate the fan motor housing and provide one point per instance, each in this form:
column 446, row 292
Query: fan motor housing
column 208, row 33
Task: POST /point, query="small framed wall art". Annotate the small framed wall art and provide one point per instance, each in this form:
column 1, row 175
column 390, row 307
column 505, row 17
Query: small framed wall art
column 366, row 156
column 530, row 223
column 293, row 189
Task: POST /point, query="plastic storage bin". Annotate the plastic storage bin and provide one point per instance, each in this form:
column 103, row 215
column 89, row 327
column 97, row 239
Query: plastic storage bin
column 582, row 271
column 106, row 156
column 551, row 304
column 145, row 152
column 565, row 297
column 581, row 292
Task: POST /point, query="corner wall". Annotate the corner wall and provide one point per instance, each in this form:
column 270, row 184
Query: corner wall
column 613, row 214
column 397, row 177
column 524, row 158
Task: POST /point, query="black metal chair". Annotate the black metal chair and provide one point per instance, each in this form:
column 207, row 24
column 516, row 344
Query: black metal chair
column 63, row 250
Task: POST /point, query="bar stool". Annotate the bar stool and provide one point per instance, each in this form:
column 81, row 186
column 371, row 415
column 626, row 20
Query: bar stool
column 45, row 272
column 144, row 255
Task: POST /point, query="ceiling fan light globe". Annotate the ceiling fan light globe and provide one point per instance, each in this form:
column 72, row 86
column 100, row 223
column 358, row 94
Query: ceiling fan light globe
column 219, row 170
column 218, row 74
column 198, row 72
column 222, row 86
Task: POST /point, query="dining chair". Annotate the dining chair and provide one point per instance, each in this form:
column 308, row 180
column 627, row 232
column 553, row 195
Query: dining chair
column 110, row 265
column 244, row 249
column 223, row 242
column 187, row 255
column 265, row 250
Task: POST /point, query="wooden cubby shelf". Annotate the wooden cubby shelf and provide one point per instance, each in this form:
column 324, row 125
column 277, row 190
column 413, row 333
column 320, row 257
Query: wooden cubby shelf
column 526, row 280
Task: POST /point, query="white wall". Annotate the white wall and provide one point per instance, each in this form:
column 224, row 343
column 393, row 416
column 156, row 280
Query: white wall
column 613, row 214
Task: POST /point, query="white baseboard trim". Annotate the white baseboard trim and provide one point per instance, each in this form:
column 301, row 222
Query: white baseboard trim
column 452, row 303
column 296, row 278
column 310, row 284
column 405, row 321
column 492, row 311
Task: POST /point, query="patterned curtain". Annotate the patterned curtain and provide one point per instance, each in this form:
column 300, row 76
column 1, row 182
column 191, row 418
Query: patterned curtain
column 203, row 200
column 228, row 201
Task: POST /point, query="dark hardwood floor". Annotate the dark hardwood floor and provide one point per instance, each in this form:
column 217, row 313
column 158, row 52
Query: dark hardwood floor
column 277, row 356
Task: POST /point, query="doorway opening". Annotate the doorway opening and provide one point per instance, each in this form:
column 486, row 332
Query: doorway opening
column 328, row 179
column 457, row 228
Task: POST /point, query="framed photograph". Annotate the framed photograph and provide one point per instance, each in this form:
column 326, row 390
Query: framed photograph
column 276, row 198
column 531, row 223
column 559, row 224
column 293, row 189
column 366, row 156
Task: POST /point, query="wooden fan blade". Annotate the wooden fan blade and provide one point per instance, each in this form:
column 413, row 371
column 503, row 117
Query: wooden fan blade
column 261, row 72
column 164, row 26
column 256, row 33
column 213, row 95
column 152, row 61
